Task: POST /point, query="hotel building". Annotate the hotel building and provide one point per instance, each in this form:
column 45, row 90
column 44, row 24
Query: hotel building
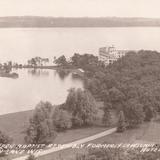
column 110, row 54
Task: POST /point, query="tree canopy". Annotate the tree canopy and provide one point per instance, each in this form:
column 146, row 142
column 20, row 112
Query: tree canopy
column 131, row 84
column 82, row 107
column 41, row 128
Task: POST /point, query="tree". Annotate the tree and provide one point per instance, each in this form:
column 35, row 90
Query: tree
column 38, row 61
column 149, row 113
column 33, row 62
column 41, row 128
column 107, row 117
column 82, row 106
column 7, row 68
column 134, row 113
column 130, row 84
column 29, row 62
column 62, row 119
column 61, row 61
column 116, row 98
column 116, row 95
column 121, row 122
column 44, row 60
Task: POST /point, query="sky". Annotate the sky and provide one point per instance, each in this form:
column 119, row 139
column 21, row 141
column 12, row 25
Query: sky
column 81, row 8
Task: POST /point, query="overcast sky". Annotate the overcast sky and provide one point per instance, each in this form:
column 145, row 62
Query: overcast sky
column 81, row 8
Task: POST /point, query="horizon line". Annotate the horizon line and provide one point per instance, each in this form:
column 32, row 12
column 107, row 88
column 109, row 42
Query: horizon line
column 79, row 16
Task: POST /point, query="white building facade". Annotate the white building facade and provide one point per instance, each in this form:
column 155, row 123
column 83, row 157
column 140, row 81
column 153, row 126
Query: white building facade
column 110, row 54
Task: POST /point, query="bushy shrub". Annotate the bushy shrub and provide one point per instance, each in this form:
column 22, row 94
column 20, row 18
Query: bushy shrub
column 82, row 106
column 62, row 120
column 134, row 113
column 41, row 129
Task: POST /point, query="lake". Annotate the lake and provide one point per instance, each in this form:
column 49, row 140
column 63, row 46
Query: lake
column 21, row 44
column 32, row 86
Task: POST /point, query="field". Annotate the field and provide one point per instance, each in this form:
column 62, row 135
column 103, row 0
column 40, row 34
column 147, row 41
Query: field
column 146, row 133
column 14, row 125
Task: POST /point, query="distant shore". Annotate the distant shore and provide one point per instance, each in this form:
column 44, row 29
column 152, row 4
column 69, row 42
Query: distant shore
column 62, row 69
column 69, row 22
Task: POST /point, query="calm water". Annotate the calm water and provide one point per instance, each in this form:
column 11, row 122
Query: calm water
column 33, row 86
column 20, row 44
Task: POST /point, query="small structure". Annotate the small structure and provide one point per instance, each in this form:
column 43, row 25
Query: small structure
column 110, row 54
column 78, row 73
column 81, row 70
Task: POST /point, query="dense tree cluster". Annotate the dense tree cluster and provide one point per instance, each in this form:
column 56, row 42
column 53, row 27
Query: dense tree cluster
column 61, row 61
column 78, row 110
column 37, row 61
column 131, row 84
column 87, row 62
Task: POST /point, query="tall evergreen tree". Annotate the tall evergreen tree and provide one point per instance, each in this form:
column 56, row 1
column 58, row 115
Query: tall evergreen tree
column 121, row 127
column 107, row 117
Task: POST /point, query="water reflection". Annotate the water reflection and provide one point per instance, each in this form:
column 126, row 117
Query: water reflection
column 62, row 73
column 38, row 72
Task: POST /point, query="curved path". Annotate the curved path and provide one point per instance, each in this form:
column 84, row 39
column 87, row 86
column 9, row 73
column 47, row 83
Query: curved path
column 69, row 145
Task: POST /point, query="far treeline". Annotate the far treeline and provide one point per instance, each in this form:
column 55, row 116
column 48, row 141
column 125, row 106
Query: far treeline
column 35, row 21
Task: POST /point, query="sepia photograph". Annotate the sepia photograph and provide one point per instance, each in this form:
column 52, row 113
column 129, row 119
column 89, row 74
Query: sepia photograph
column 79, row 80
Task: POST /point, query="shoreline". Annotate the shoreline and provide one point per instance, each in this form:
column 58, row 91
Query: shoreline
column 9, row 75
column 64, row 70
column 18, row 112
column 45, row 67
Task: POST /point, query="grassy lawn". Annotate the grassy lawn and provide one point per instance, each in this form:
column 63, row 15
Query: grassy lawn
column 14, row 124
column 146, row 133
column 129, row 136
